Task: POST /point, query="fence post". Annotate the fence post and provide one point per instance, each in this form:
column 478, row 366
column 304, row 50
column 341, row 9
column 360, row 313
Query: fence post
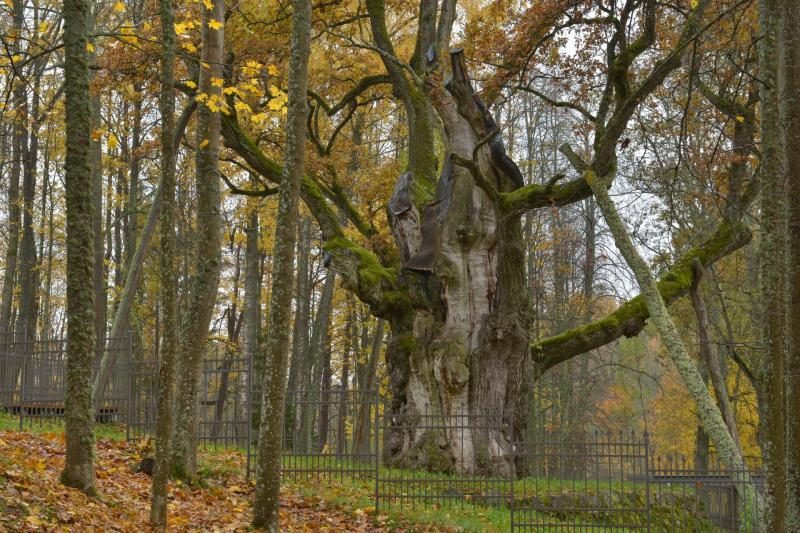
column 24, row 370
column 132, row 369
column 249, row 409
column 376, row 404
column 512, row 504
column 647, row 478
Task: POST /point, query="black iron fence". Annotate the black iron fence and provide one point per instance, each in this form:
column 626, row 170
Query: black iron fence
column 329, row 435
column 419, row 461
column 32, row 380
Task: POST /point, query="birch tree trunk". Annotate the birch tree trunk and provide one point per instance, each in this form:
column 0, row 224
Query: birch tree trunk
column 79, row 466
column 270, row 434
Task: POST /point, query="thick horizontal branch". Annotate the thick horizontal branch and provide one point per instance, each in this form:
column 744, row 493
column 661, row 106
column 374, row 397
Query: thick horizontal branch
column 536, row 196
column 631, row 317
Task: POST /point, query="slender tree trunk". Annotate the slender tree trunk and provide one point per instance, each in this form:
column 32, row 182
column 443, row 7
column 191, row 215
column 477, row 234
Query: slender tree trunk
column 18, row 141
column 709, row 356
column 348, row 354
column 79, row 468
column 96, row 161
column 169, row 322
column 707, row 410
column 791, row 99
column 276, row 346
column 252, row 308
column 361, row 433
column 208, row 256
column 320, row 361
column 297, row 368
column 770, row 370
column 29, row 274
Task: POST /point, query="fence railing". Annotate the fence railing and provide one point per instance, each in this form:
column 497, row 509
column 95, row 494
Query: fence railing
column 32, row 380
column 420, row 460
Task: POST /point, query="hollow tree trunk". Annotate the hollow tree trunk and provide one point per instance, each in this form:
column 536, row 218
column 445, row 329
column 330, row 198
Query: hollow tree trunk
column 463, row 360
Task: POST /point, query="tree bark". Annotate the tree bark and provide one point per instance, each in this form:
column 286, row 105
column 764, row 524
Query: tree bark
column 277, row 343
column 252, row 308
column 207, row 255
column 770, row 371
column 791, row 99
column 710, row 358
column 709, row 413
column 298, row 367
column 18, row 149
column 79, row 466
column 169, row 321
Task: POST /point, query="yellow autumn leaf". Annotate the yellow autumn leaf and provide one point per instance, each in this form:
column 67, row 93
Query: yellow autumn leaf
column 112, row 142
column 214, row 24
column 43, row 27
column 190, row 84
column 189, row 47
column 217, row 82
column 180, row 28
column 694, row 3
column 739, row 118
column 203, row 143
column 272, row 70
column 119, row 7
column 90, row 48
column 209, row 4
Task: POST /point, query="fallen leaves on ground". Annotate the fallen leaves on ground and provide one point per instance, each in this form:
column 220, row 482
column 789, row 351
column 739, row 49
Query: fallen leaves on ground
column 33, row 499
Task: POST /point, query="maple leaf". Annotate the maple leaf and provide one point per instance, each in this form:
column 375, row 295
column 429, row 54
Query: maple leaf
column 119, row 7
column 214, row 24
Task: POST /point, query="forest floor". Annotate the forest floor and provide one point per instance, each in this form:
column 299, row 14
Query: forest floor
column 32, row 499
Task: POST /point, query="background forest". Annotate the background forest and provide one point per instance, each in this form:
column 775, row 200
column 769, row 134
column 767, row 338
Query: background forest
column 454, row 244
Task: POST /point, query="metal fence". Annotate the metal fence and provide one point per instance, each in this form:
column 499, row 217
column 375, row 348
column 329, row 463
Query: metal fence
column 32, row 380
column 604, row 482
column 329, row 435
column 422, row 461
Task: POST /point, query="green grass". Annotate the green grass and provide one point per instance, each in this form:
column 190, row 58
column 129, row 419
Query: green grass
column 9, row 422
column 454, row 503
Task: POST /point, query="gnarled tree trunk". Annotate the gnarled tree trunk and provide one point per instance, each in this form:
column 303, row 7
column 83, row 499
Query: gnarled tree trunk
column 461, row 362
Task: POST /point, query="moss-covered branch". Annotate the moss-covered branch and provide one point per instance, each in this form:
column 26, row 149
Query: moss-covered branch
column 536, row 196
column 362, row 272
column 630, row 318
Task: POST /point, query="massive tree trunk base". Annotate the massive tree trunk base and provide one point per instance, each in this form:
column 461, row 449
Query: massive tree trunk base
column 458, row 368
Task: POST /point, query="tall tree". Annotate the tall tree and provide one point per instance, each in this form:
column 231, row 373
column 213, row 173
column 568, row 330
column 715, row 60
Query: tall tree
column 791, row 99
column 772, row 265
column 194, row 331
column 169, row 323
column 268, row 476
column 79, row 466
